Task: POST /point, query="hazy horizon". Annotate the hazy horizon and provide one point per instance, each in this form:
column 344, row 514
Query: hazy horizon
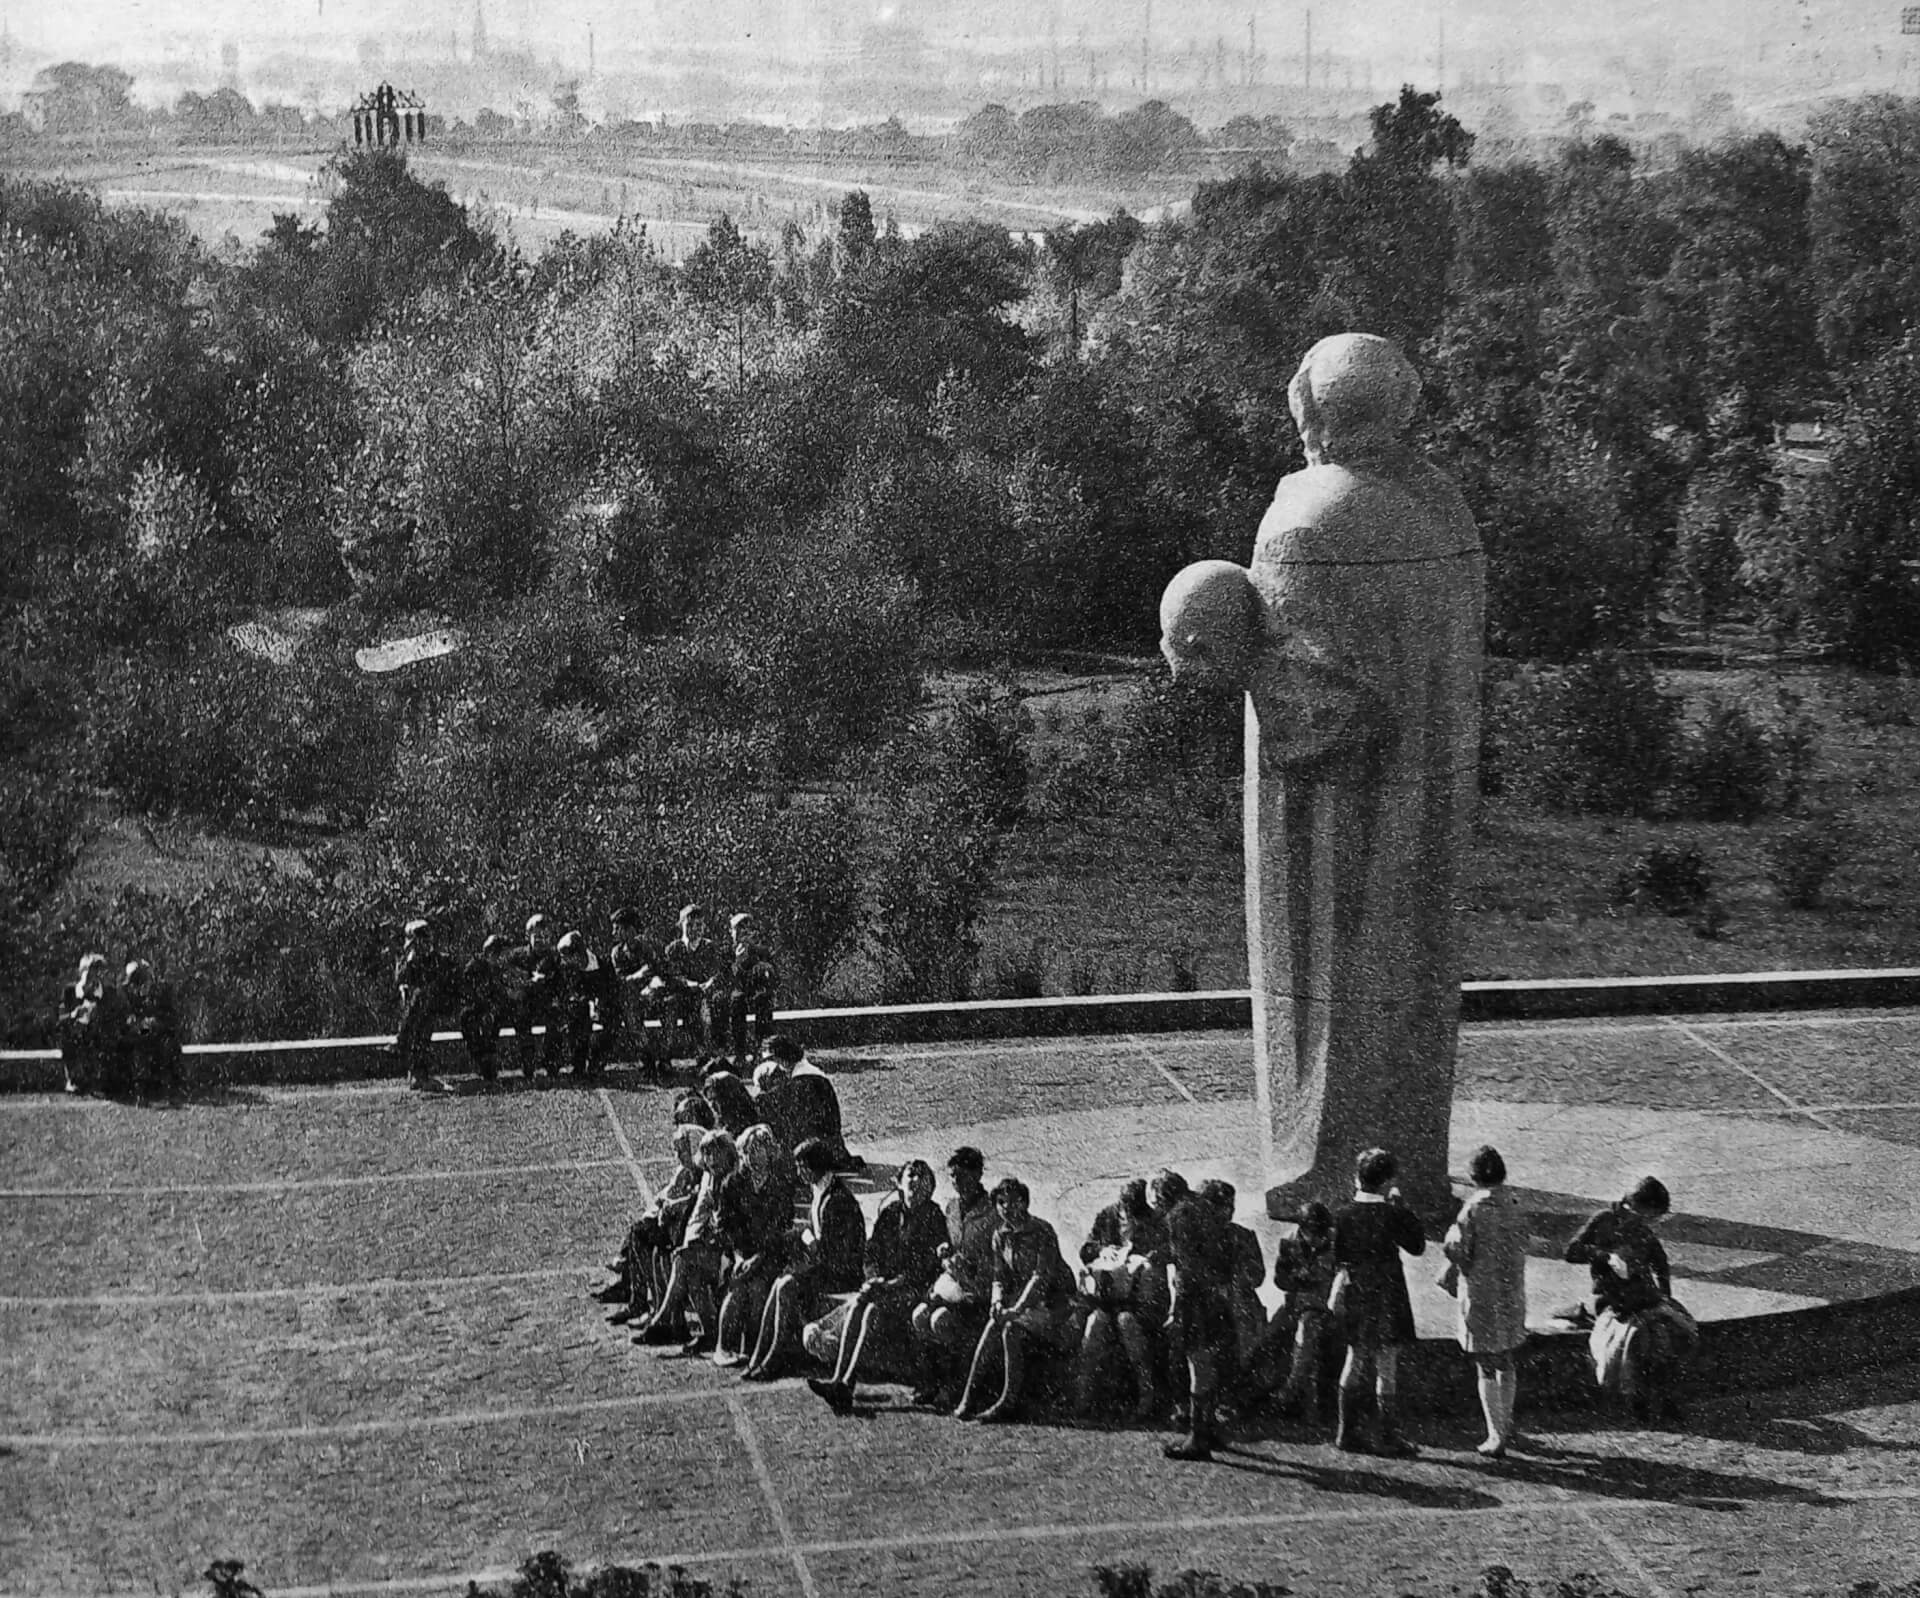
column 1760, row 49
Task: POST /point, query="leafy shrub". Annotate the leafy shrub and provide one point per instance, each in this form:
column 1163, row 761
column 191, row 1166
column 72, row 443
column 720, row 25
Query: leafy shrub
column 547, row 1575
column 816, row 642
column 1801, row 860
column 1727, row 768
column 1673, row 879
column 1598, row 736
column 934, row 871
column 1136, row 1581
column 42, row 810
column 1173, row 731
column 1022, row 975
column 980, row 752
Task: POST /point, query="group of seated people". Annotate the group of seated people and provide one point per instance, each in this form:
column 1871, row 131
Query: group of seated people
column 572, row 1007
column 119, row 1039
column 757, row 1255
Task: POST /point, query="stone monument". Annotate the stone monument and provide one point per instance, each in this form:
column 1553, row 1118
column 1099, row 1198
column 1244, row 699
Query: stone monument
column 1356, row 632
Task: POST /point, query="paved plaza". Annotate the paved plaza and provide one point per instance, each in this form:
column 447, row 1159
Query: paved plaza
column 342, row 1334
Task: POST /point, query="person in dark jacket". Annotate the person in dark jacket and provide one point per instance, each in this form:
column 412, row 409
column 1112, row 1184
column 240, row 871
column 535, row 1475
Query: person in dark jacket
column 1642, row 1339
column 154, row 1055
column 694, row 1280
column 1292, row 1347
column 748, row 997
column 949, row 1319
column 808, row 1103
column 633, row 970
column 903, row 1258
column 1126, row 1295
column 1243, row 1292
column 579, row 992
column 1369, row 1236
column 732, row 1103
column 422, row 977
column 1200, row 1247
column 693, row 972
column 645, row 1263
column 756, row 1217
column 830, row 1258
column 91, row 1030
column 1030, row 1306
column 533, row 982
column 484, row 1007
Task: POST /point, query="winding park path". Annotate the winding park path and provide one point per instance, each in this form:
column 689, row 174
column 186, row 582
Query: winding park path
column 341, row 1333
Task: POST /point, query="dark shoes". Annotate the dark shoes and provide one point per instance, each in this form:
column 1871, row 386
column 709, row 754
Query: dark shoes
column 838, row 1396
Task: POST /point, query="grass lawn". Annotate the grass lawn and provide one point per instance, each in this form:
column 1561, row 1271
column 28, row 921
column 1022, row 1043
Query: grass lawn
column 1105, row 900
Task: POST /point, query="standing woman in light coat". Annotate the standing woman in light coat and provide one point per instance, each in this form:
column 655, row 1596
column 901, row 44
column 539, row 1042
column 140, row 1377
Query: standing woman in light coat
column 1487, row 1246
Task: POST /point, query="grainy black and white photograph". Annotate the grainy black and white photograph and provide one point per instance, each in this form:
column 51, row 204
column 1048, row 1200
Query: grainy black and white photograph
column 994, row 800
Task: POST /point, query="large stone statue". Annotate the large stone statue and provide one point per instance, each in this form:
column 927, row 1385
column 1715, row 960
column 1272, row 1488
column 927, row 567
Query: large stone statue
column 1356, row 632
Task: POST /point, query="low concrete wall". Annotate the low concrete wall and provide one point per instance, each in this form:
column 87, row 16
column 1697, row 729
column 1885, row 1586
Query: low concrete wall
column 336, row 1059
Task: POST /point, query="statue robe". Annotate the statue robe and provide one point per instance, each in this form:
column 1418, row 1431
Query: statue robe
column 1362, row 746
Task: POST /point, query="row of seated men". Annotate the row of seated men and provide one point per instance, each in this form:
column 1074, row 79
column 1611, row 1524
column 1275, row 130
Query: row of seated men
column 571, row 1007
column 971, row 1302
column 119, row 1038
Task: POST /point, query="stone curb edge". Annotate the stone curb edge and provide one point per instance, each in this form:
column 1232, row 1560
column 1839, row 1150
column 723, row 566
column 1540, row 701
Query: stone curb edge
column 342, row 1059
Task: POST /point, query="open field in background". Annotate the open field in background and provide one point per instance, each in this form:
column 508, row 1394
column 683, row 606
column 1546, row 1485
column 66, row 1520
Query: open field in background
column 1117, row 896
column 533, row 194
column 1126, row 893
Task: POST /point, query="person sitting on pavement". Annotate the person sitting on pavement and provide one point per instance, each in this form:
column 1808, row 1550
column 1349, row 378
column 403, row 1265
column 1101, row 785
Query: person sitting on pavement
column 1642, row 1339
column 579, row 991
column 1370, row 1306
column 690, row 1106
column 732, row 1102
column 1126, row 1297
column 749, row 989
column 691, row 979
column 827, row 1259
column 903, row 1259
column 695, row 1276
column 534, row 981
column 756, row 1214
column 948, row 1321
column 770, row 1102
column 91, row 1030
column 152, row 1037
column 640, row 1273
column 1295, row 1343
column 421, row 975
column 809, row 1102
column 1200, row 1247
column 1029, row 1307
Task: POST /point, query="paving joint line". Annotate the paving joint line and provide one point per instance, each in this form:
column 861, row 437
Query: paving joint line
column 1617, row 1550
column 244, row 1295
column 1752, row 1075
column 390, row 1426
column 627, row 1156
column 750, row 1440
column 1152, row 1059
column 983, row 1536
column 318, row 1183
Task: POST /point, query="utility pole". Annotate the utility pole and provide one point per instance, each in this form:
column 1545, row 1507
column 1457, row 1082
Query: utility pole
column 1307, row 57
column 1250, row 47
column 1146, row 50
column 1440, row 69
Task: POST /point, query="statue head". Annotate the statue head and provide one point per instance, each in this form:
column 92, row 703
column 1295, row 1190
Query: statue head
column 1210, row 623
column 1354, row 395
